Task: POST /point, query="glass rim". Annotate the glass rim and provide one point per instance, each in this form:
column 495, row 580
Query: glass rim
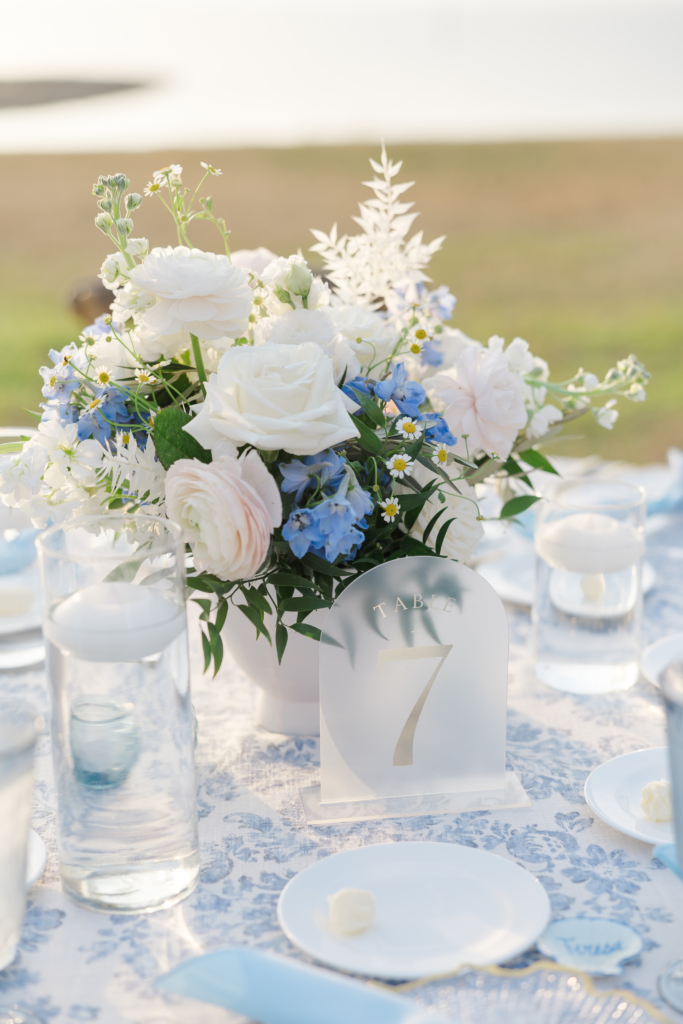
column 29, row 730
column 175, row 539
column 639, row 495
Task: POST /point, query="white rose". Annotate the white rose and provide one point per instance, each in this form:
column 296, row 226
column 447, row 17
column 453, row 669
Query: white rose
column 299, row 326
column 463, row 535
column 484, row 400
column 273, row 397
column 150, row 348
column 228, row 511
column 253, row 260
column 198, row 291
column 369, row 336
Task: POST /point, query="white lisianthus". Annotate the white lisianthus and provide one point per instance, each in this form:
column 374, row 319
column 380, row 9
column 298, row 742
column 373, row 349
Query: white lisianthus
column 274, row 397
column 197, row 291
column 484, row 400
column 369, row 336
column 463, row 535
column 299, row 326
column 290, row 284
column 542, row 420
column 228, row 511
column 253, row 260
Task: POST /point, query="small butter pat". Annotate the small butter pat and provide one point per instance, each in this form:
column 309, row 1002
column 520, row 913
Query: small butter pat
column 351, row 910
column 655, row 801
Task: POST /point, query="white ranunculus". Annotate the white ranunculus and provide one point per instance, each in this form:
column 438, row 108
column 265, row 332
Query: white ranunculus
column 253, row 260
column 197, row 291
column 299, row 326
column 273, row 397
column 369, row 336
column 228, row 511
column 290, row 283
column 463, row 535
column 484, row 399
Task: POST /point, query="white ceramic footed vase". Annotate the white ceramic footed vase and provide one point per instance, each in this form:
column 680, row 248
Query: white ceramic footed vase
column 288, row 700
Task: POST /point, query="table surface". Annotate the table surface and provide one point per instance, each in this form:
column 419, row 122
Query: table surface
column 75, row 965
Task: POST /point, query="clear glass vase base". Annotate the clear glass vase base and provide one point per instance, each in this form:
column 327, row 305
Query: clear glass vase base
column 576, row 677
column 122, row 889
column 670, row 984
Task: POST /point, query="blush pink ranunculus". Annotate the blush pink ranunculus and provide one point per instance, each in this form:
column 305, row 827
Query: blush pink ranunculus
column 227, row 509
column 484, row 399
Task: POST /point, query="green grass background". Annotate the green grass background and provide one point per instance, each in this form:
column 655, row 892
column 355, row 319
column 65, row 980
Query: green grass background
column 577, row 247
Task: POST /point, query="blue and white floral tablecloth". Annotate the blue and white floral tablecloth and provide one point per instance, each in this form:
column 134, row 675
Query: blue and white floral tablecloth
column 79, row 966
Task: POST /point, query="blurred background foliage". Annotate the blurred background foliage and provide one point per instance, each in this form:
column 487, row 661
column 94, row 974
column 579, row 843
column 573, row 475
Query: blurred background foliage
column 575, row 246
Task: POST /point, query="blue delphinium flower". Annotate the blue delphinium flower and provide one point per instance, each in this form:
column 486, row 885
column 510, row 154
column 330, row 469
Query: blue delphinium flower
column 408, row 395
column 107, row 407
column 437, row 432
column 335, row 519
column 441, row 301
column 325, row 469
column 301, row 532
column 431, row 353
column 366, row 385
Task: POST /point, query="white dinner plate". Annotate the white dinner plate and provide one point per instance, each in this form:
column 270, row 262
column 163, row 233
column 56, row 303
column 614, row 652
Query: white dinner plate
column 36, row 858
column 512, row 577
column 438, row 906
column 658, row 655
column 613, row 791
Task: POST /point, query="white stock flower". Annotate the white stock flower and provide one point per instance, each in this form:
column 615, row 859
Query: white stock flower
column 55, row 505
column 370, row 337
column 115, row 271
column 607, row 416
column 228, row 511
column 463, row 535
column 253, row 260
column 289, row 282
column 200, row 292
column 301, row 326
column 274, row 397
column 542, row 420
column 68, row 457
column 484, row 400
column 21, row 474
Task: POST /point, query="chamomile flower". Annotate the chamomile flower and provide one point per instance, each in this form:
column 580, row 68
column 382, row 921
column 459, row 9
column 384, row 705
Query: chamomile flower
column 390, row 509
column 144, row 376
column 152, row 187
column 417, row 338
column 95, row 404
column 440, row 456
column 210, row 168
column 102, row 375
column 399, row 465
column 409, row 427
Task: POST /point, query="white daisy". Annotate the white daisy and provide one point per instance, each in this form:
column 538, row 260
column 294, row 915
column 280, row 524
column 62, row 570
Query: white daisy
column 440, row 456
column 103, row 376
column 410, row 428
column 210, row 168
column 143, row 376
column 399, row 465
column 390, row 509
column 152, row 187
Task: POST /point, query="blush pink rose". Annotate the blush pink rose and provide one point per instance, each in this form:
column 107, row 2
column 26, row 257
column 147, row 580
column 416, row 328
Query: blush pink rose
column 227, row 509
column 484, row 399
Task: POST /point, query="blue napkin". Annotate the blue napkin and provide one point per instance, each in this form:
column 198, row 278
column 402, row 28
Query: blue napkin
column 672, row 501
column 668, row 855
column 273, row 989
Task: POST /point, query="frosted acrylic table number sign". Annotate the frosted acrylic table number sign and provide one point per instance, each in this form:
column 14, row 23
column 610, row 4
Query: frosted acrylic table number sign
column 413, row 696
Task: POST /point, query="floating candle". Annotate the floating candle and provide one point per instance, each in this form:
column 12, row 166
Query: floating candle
column 590, row 542
column 114, row 622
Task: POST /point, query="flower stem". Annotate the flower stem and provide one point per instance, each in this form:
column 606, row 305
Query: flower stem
column 199, row 362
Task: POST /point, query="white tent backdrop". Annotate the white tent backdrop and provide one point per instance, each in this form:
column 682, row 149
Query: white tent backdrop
column 289, row 72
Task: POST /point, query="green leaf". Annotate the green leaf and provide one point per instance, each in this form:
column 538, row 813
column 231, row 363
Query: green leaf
column 207, row 651
column 513, row 468
column 288, row 579
column 257, row 600
column 413, row 450
column 368, row 438
column 221, row 614
column 514, row 506
column 410, row 501
column 431, row 524
column 216, row 644
column 538, row 461
column 326, row 568
column 306, row 629
column 371, row 408
column 280, row 641
column 441, row 536
column 125, row 571
column 172, row 442
column 303, row 604
column 255, row 619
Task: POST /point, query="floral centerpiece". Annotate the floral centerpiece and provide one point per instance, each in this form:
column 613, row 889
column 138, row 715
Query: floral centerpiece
column 302, row 429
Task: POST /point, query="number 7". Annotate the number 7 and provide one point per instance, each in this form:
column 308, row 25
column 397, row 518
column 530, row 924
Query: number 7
column 403, row 754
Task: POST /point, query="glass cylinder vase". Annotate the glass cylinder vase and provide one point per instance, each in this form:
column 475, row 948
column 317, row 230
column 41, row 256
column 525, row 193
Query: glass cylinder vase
column 589, row 541
column 122, row 726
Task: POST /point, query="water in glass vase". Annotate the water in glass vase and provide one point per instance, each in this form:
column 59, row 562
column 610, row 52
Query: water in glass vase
column 123, row 748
